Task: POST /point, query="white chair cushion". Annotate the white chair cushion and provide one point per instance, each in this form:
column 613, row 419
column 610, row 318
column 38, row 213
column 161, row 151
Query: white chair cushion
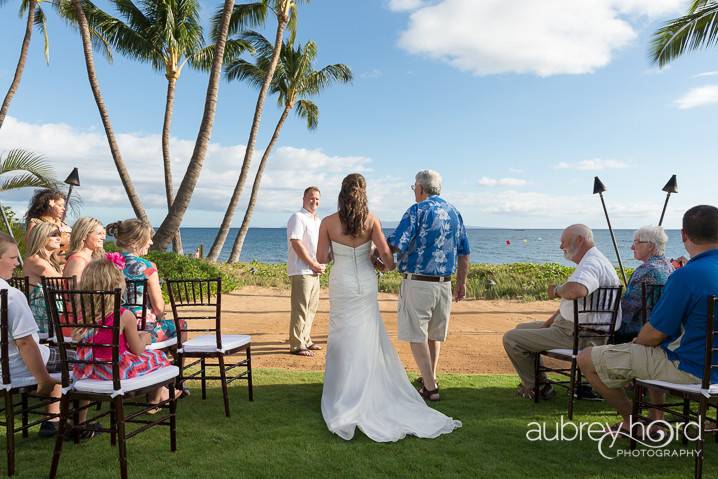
column 126, row 385
column 561, row 352
column 25, row 381
column 208, row 343
column 161, row 344
column 689, row 388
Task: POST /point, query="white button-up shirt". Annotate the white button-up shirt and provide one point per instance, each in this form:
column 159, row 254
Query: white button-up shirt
column 302, row 226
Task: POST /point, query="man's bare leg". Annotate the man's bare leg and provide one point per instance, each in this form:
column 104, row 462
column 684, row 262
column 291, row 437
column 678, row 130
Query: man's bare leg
column 422, row 356
column 434, row 350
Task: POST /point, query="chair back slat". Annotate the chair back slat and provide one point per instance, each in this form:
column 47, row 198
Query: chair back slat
column 710, row 356
column 606, row 300
column 22, row 283
column 186, row 295
column 650, row 293
column 136, row 300
column 57, row 282
column 4, row 362
column 79, row 310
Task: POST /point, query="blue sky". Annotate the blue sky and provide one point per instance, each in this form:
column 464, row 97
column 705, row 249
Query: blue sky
column 518, row 105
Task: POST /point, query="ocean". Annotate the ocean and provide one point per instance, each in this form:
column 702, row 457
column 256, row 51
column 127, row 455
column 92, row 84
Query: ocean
column 269, row 245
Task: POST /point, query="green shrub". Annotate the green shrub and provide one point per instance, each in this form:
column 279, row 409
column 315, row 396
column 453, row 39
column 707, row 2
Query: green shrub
column 175, row 266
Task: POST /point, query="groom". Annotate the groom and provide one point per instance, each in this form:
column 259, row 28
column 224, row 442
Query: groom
column 430, row 241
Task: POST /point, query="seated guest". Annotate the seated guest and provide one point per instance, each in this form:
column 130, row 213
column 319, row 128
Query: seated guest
column 86, row 242
column 135, row 238
column 42, row 242
column 26, row 356
column 594, row 270
column 649, row 244
column 671, row 345
column 48, row 206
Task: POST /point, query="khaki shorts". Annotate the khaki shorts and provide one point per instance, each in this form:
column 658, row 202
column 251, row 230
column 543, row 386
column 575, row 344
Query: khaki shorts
column 619, row 364
column 424, row 309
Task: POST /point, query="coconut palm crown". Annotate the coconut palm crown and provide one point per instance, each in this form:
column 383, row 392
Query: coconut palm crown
column 697, row 29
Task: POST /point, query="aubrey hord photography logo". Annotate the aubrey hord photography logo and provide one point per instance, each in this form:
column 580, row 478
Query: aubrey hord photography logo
column 658, row 437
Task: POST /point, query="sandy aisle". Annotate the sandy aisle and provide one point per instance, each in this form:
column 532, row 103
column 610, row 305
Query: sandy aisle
column 474, row 343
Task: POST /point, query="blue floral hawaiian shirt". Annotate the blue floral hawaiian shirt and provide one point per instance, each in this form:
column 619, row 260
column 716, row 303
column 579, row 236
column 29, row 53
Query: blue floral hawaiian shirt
column 654, row 271
column 429, row 238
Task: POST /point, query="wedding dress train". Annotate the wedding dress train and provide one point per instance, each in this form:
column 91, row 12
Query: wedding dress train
column 365, row 384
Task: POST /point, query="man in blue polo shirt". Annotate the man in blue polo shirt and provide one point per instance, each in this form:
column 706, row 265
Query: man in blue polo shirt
column 431, row 243
column 671, row 346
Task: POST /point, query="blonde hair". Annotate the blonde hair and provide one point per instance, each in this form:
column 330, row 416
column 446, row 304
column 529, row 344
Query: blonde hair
column 100, row 275
column 130, row 234
column 80, row 231
column 5, row 242
column 36, row 241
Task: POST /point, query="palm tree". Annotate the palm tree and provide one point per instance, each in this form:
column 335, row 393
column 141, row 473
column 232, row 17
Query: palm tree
column 35, row 16
column 286, row 13
column 696, row 29
column 85, row 34
column 241, row 16
column 168, row 35
column 294, row 80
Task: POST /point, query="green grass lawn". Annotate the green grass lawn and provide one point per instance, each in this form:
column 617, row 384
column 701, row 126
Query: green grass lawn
column 282, row 434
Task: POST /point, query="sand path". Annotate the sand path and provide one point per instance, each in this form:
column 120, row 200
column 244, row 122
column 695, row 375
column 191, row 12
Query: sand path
column 474, row 343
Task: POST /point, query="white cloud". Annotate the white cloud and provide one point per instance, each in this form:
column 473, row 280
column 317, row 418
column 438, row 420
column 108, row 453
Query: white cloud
column 706, row 74
column 486, row 181
column 545, row 38
column 592, row 165
column 700, row 96
column 404, row 5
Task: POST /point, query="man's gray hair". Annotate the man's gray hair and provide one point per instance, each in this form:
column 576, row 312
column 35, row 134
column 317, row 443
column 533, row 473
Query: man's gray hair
column 430, row 181
column 581, row 230
column 654, row 235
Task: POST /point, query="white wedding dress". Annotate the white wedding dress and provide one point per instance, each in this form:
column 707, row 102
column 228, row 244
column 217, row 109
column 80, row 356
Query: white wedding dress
column 365, row 384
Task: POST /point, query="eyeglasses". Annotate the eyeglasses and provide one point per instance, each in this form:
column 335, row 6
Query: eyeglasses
column 413, row 188
column 640, row 242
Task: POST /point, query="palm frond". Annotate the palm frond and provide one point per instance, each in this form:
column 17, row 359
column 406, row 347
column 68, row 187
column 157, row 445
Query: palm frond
column 308, row 111
column 244, row 16
column 243, row 70
column 202, row 60
column 263, row 48
column 41, row 24
column 695, row 30
column 34, row 171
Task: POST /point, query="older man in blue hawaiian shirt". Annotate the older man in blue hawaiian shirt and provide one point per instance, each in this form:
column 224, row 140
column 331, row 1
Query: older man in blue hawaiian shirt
column 431, row 243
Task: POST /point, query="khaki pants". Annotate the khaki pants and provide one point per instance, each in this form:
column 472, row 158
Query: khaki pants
column 619, row 364
column 424, row 309
column 305, row 301
column 523, row 342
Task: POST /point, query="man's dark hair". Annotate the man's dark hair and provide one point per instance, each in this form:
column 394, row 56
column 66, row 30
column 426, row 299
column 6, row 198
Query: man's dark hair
column 700, row 224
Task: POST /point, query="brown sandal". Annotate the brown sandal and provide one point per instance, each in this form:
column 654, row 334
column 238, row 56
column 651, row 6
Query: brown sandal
column 303, row 352
column 427, row 395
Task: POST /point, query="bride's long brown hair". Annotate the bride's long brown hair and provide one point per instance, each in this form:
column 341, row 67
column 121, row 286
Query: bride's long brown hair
column 353, row 205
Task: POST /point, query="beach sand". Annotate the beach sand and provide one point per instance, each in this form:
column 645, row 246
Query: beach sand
column 473, row 346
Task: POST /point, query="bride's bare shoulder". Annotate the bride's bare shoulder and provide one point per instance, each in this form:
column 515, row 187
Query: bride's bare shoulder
column 331, row 218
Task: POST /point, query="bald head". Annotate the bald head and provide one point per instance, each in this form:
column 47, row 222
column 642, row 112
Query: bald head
column 576, row 240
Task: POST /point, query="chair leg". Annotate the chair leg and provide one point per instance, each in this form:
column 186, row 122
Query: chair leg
column 204, row 378
column 702, row 409
column 113, row 424
column 249, row 374
column 122, row 446
column 571, row 388
column 64, row 417
column 637, row 396
column 537, row 374
column 686, row 418
column 76, row 421
column 173, row 418
column 223, row 375
column 24, row 414
column 10, row 433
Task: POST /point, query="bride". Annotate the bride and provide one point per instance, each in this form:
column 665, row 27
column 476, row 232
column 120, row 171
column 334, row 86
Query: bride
column 365, row 384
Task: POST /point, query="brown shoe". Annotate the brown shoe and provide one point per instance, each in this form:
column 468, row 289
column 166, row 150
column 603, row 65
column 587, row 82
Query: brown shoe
column 314, row 347
column 303, row 352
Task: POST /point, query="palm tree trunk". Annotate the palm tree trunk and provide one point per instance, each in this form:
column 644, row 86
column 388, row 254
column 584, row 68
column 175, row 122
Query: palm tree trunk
column 21, row 62
column 166, row 158
column 171, row 223
column 249, row 152
column 132, row 195
column 239, row 241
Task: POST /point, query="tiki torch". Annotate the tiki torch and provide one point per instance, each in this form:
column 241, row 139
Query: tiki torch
column 599, row 187
column 671, row 187
column 73, row 180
